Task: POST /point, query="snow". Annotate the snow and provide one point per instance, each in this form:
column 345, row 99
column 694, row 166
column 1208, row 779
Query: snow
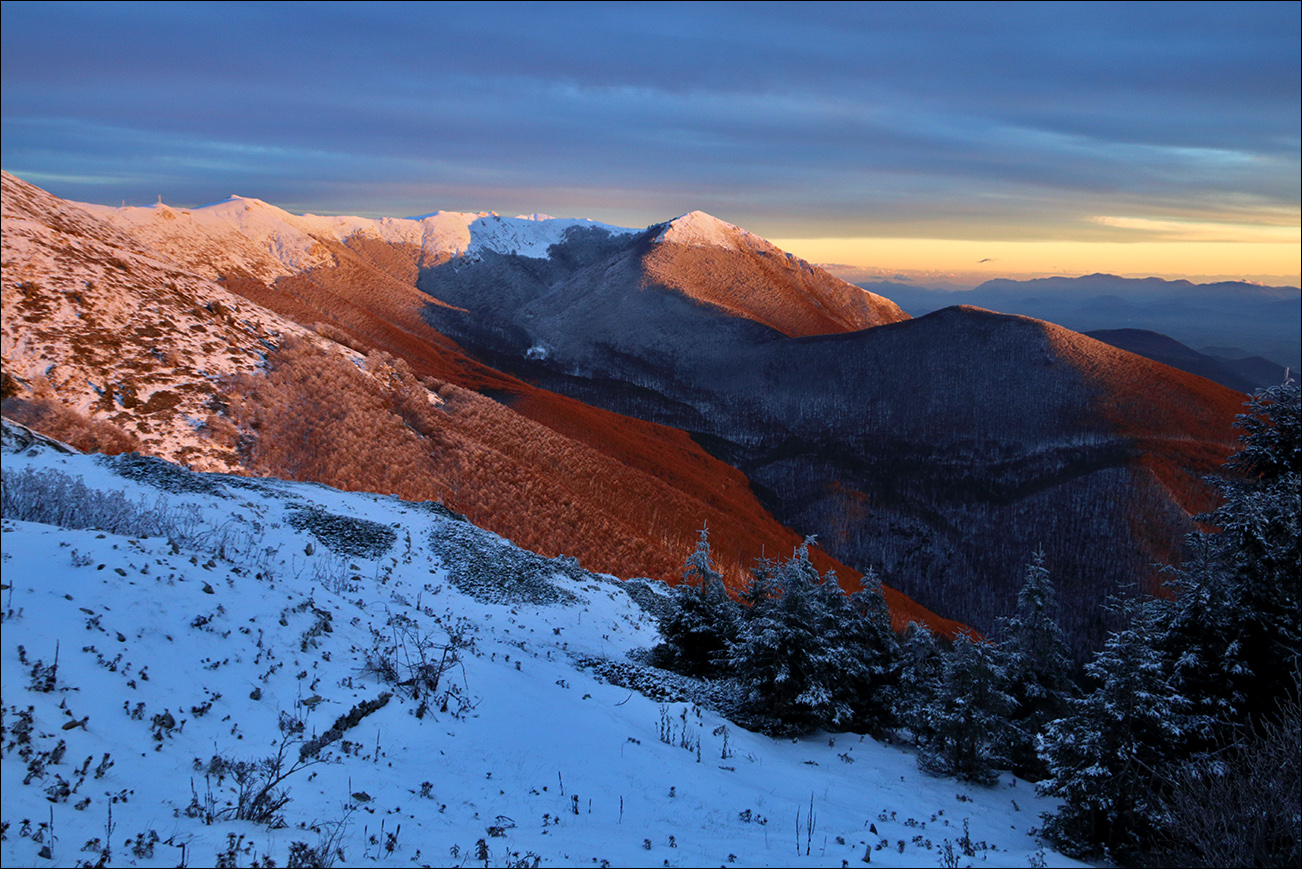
column 557, row 761
column 251, row 236
column 698, row 229
column 241, row 235
column 269, row 242
column 528, row 236
column 105, row 316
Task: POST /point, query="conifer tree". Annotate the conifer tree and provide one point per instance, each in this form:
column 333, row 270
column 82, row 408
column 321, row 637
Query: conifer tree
column 1036, row 664
column 702, row 624
column 922, row 666
column 1234, row 634
column 1195, row 674
column 763, row 584
column 860, row 625
column 967, row 715
column 1107, row 756
column 1232, row 637
column 782, row 658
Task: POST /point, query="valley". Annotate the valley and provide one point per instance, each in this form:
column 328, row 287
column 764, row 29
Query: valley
column 646, row 383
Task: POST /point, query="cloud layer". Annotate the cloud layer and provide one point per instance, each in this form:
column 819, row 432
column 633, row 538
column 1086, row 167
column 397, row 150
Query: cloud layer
column 975, row 121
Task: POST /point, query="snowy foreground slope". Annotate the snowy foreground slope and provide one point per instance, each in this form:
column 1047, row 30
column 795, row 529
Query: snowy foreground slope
column 255, row 607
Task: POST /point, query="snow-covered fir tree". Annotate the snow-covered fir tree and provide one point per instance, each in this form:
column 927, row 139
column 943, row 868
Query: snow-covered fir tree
column 859, row 626
column 783, row 659
column 1036, row 665
column 921, row 667
column 1232, row 637
column 803, row 652
column 1198, row 677
column 1107, row 755
column 880, row 646
column 1234, row 632
column 702, row 623
column 763, row 583
column 964, row 723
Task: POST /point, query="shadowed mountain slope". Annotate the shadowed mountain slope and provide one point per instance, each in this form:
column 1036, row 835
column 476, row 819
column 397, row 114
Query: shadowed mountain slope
column 943, row 450
column 609, row 305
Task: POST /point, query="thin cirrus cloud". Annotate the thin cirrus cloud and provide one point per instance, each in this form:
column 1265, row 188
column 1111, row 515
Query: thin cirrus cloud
column 940, row 121
column 1177, row 230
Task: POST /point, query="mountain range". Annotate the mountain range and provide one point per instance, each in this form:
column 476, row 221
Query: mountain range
column 604, row 392
column 103, row 323
column 1216, row 318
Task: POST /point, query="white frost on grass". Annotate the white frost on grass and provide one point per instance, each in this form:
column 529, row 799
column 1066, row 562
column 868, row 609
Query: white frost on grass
column 533, row 755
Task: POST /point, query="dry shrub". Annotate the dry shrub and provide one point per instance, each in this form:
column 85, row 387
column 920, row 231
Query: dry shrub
column 221, row 430
column 45, row 413
column 9, row 387
column 339, row 336
column 313, row 416
column 1240, row 805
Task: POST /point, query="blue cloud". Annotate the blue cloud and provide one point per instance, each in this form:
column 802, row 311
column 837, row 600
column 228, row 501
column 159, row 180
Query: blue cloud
column 812, row 117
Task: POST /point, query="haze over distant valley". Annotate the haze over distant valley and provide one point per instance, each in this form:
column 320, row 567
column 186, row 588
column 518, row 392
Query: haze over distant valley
column 1233, row 320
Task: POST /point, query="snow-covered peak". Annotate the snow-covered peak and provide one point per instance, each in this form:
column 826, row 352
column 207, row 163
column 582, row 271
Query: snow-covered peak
column 238, row 234
column 529, row 236
column 237, row 201
column 698, row 229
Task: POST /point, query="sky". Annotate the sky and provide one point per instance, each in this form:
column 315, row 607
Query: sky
column 896, row 140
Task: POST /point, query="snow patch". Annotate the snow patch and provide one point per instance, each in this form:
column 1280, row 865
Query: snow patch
column 529, row 236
